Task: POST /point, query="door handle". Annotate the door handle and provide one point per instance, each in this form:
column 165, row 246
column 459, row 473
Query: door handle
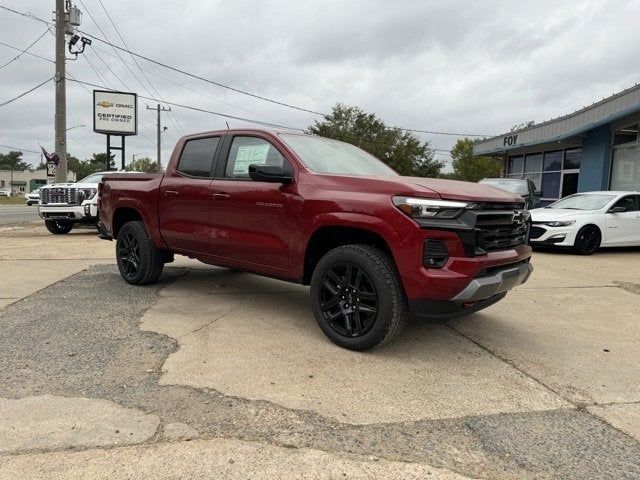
column 221, row 196
column 170, row 193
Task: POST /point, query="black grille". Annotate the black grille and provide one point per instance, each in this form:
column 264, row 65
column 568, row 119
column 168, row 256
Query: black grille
column 67, row 196
column 498, row 230
column 536, row 232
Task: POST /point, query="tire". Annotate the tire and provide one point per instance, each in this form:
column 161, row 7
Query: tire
column 139, row 261
column 58, row 227
column 587, row 240
column 357, row 297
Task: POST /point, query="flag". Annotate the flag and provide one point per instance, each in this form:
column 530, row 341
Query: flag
column 51, row 157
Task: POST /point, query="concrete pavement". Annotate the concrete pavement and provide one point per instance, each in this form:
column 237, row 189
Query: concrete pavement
column 225, row 373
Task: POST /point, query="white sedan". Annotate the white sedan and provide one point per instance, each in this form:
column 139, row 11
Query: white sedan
column 588, row 221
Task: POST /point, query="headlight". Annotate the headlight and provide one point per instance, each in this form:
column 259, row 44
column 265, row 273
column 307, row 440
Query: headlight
column 565, row 223
column 89, row 193
column 430, row 208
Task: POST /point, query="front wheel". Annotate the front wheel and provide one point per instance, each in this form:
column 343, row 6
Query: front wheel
column 139, row 261
column 58, row 227
column 357, row 298
column 587, row 240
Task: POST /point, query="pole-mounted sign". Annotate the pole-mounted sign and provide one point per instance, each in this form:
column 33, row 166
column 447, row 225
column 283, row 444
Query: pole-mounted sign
column 115, row 113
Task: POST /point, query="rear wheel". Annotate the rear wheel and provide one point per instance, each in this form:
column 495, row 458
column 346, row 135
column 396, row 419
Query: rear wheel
column 58, row 227
column 587, row 240
column 139, row 261
column 357, row 297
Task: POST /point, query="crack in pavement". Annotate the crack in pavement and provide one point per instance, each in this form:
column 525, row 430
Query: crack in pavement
column 115, row 360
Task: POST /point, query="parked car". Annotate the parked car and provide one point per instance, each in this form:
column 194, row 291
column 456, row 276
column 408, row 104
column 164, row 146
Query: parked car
column 5, row 192
column 588, row 221
column 373, row 246
column 523, row 187
column 63, row 205
column 33, row 197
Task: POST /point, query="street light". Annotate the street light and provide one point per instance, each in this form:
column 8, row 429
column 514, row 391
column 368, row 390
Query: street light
column 75, row 126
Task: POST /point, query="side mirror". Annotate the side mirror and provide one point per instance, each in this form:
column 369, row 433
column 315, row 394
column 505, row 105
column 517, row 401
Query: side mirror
column 269, row 173
column 617, row 210
column 537, row 193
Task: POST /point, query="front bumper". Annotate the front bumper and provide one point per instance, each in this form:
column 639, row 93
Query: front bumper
column 553, row 236
column 87, row 212
column 501, row 281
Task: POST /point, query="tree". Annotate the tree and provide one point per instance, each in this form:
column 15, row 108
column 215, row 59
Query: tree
column 470, row 168
column 520, row 126
column 13, row 161
column 99, row 160
column 401, row 150
column 143, row 164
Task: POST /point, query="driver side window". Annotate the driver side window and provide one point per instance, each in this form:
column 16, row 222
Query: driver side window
column 629, row 202
column 247, row 151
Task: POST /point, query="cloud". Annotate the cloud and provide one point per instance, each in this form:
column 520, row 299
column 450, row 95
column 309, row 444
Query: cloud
column 446, row 66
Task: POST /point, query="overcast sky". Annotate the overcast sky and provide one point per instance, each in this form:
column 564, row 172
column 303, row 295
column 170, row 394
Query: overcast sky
column 455, row 66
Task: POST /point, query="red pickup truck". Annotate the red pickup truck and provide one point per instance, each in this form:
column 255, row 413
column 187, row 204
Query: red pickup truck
column 373, row 246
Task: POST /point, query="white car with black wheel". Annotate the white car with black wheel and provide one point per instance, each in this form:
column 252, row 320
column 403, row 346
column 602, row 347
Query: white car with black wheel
column 588, row 221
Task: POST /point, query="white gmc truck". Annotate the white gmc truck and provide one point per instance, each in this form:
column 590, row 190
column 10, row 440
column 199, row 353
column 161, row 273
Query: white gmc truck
column 63, row 205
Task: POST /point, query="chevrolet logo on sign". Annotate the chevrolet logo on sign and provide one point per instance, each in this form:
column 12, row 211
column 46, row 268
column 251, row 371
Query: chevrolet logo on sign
column 105, row 104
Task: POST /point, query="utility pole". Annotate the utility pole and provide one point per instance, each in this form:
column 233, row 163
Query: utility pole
column 159, row 109
column 61, row 94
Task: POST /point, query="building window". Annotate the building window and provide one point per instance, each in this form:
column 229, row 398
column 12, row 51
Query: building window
column 625, row 169
column 626, row 135
column 554, row 173
column 572, row 158
column 2, row 185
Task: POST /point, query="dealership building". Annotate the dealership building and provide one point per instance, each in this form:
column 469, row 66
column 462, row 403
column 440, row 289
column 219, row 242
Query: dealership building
column 594, row 148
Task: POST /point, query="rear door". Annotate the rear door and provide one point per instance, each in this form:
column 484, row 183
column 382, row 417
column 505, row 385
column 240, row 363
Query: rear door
column 623, row 228
column 251, row 222
column 185, row 196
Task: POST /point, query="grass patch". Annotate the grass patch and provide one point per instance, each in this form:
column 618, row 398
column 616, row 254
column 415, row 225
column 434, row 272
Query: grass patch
column 13, row 200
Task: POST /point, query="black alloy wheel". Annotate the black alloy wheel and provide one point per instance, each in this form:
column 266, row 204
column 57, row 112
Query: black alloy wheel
column 587, row 240
column 139, row 261
column 348, row 300
column 357, row 297
column 129, row 254
column 58, row 227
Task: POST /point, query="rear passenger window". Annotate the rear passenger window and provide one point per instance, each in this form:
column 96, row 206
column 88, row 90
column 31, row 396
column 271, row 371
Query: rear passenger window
column 247, row 151
column 197, row 157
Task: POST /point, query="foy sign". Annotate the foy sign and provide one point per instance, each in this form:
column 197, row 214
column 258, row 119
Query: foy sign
column 115, row 113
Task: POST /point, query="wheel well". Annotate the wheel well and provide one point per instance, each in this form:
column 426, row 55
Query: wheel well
column 593, row 225
column 328, row 238
column 122, row 216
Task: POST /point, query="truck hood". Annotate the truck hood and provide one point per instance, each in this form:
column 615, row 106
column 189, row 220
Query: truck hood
column 420, row 186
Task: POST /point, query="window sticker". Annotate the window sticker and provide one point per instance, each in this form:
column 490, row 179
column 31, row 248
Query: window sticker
column 248, row 155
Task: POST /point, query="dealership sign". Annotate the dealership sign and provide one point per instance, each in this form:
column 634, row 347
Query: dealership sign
column 115, row 113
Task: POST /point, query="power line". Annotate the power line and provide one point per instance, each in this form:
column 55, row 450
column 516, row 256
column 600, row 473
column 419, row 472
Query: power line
column 172, row 116
column 25, row 14
column 11, row 147
column 113, row 46
column 27, row 53
column 196, row 109
column 7, row 102
column 213, row 82
column 24, row 50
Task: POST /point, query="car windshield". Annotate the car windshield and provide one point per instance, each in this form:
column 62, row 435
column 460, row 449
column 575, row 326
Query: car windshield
column 514, row 186
column 93, row 178
column 583, row 202
column 324, row 155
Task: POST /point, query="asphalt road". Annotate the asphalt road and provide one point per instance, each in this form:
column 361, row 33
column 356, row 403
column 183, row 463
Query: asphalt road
column 17, row 214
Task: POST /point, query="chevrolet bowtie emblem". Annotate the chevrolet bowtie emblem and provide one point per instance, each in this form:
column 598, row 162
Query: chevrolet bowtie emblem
column 105, row 104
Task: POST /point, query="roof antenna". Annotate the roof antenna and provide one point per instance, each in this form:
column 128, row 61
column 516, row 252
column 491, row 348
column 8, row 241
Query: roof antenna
column 227, row 124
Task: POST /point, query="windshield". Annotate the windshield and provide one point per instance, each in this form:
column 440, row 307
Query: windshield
column 324, row 155
column 93, row 178
column 514, row 186
column 583, row 202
